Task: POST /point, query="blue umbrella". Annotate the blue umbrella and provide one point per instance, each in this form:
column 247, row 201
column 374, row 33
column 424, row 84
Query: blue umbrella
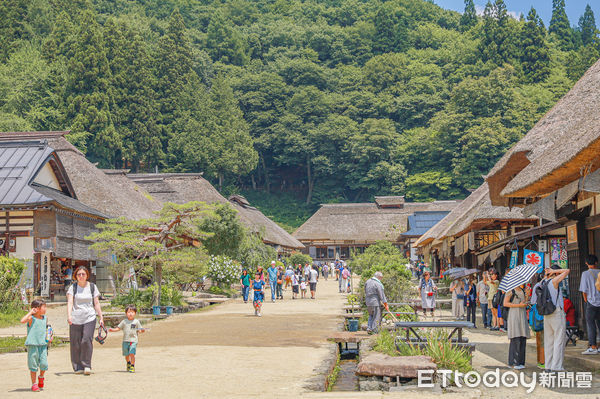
column 454, row 270
column 517, row 276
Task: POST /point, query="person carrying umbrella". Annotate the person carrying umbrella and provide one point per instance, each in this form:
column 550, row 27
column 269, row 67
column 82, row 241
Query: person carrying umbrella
column 427, row 290
column 518, row 329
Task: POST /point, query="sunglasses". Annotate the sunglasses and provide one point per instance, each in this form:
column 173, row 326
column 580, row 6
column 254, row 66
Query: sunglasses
column 81, row 274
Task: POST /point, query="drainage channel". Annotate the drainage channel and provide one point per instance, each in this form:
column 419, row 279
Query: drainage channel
column 347, row 380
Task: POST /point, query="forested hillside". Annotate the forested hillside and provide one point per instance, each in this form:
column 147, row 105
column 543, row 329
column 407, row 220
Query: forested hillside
column 325, row 100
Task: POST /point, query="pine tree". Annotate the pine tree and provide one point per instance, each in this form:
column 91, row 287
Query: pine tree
column 560, row 27
column 13, row 20
column 587, row 26
column 535, row 58
column 469, row 17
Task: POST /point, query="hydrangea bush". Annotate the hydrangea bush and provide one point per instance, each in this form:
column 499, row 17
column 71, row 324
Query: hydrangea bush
column 223, row 271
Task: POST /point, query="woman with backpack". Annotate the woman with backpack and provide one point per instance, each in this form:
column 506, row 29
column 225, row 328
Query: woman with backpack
column 471, row 300
column 549, row 303
column 82, row 307
column 518, row 329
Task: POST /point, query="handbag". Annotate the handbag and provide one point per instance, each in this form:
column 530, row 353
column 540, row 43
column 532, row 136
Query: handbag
column 430, row 294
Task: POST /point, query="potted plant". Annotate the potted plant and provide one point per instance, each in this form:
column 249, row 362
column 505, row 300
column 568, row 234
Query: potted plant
column 167, row 298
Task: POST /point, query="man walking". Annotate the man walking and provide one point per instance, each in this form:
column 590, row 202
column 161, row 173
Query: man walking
column 312, row 280
column 482, row 299
column 591, row 298
column 272, row 271
column 374, row 298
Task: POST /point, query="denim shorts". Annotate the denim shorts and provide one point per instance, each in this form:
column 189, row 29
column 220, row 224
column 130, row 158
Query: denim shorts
column 37, row 357
column 129, row 348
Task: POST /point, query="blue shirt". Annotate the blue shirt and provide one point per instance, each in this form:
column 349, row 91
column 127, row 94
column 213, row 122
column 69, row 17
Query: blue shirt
column 588, row 279
column 258, row 285
column 272, row 273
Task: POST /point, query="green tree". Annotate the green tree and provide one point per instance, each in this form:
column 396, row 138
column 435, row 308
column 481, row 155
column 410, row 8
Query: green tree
column 224, row 42
column 135, row 105
column 560, row 28
column 469, row 17
column 535, row 58
column 497, row 43
column 587, row 26
column 13, row 26
column 88, row 95
column 227, row 232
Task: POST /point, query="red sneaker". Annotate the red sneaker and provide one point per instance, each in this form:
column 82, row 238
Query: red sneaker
column 40, row 382
column 35, row 388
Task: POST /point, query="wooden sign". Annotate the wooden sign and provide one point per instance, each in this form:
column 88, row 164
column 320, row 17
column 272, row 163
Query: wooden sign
column 572, row 234
column 543, row 245
column 45, row 274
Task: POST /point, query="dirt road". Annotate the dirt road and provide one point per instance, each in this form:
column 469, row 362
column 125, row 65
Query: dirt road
column 223, row 352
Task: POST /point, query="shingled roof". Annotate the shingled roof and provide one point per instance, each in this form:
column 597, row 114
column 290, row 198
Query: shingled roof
column 363, row 222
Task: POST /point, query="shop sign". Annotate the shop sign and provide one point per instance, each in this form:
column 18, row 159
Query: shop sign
column 514, row 258
column 558, row 252
column 543, row 245
column 572, row 233
column 534, row 258
column 45, row 274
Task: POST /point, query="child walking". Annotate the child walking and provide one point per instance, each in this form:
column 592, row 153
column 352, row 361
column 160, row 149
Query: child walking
column 258, row 286
column 36, row 343
column 303, row 287
column 130, row 327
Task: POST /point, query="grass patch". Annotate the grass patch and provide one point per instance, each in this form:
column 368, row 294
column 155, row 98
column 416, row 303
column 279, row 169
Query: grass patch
column 204, row 309
column 11, row 317
column 438, row 348
column 333, row 376
column 228, row 292
column 17, row 344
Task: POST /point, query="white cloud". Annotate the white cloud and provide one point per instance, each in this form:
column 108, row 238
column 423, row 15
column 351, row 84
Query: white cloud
column 514, row 14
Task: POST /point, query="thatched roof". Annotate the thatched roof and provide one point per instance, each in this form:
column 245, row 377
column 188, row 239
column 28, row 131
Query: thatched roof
column 259, row 223
column 555, row 150
column 476, row 211
column 185, row 187
column 363, row 223
column 113, row 197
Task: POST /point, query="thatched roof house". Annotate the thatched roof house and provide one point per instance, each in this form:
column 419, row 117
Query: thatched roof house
column 358, row 225
column 111, row 196
column 185, row 187
column 563, row 146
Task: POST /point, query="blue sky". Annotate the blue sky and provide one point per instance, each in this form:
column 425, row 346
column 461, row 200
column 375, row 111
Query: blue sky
column 575, row 8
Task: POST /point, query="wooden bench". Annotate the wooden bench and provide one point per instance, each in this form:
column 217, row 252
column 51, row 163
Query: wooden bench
column 351, row 308
column 456, row 326
column 355, row 315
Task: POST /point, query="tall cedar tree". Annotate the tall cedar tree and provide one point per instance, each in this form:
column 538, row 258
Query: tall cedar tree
column 587, row 26
column 175, row 73
column 134, row 100
column 497, row 44
column 88, row 95
column 560, row 27
column 469, row 17
column 13, row 29
column 535, row 58
column 391, row 25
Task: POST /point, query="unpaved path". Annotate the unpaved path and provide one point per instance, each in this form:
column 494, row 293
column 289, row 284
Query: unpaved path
column 222, row 352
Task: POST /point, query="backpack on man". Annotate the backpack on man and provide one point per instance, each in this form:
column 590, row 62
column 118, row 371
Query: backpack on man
column 544, row 303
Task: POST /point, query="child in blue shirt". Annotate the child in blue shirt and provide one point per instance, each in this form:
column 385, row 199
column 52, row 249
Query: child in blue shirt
column 37, row 346
column 258, row 286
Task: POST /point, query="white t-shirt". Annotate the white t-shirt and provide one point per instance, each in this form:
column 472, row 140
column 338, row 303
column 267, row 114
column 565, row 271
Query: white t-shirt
column 83, row 305
column 313, row 276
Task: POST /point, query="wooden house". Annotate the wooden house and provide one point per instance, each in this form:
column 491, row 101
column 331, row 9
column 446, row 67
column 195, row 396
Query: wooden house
column 41, row 219
column 553, row 172
column 336, row 230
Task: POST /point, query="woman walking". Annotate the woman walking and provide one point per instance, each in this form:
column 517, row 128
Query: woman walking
column 427, row 290
column 245, row 282
column 82, row 307
column 457, row 288
column 491, row 279
column 471, row 299
column 518, row 329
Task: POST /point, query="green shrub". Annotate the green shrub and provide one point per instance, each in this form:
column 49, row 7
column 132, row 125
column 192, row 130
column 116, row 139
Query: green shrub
column 11, row 270
column 385, row 344
column 297, row 258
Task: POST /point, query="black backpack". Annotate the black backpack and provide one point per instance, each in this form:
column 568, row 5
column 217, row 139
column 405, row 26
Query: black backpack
column 497, row 299
column 544, row 303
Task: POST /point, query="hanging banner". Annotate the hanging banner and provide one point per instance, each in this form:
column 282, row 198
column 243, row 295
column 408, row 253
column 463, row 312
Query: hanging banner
column 534, row 258
column 45, row 274
column 558, row 250
column 514, row 258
